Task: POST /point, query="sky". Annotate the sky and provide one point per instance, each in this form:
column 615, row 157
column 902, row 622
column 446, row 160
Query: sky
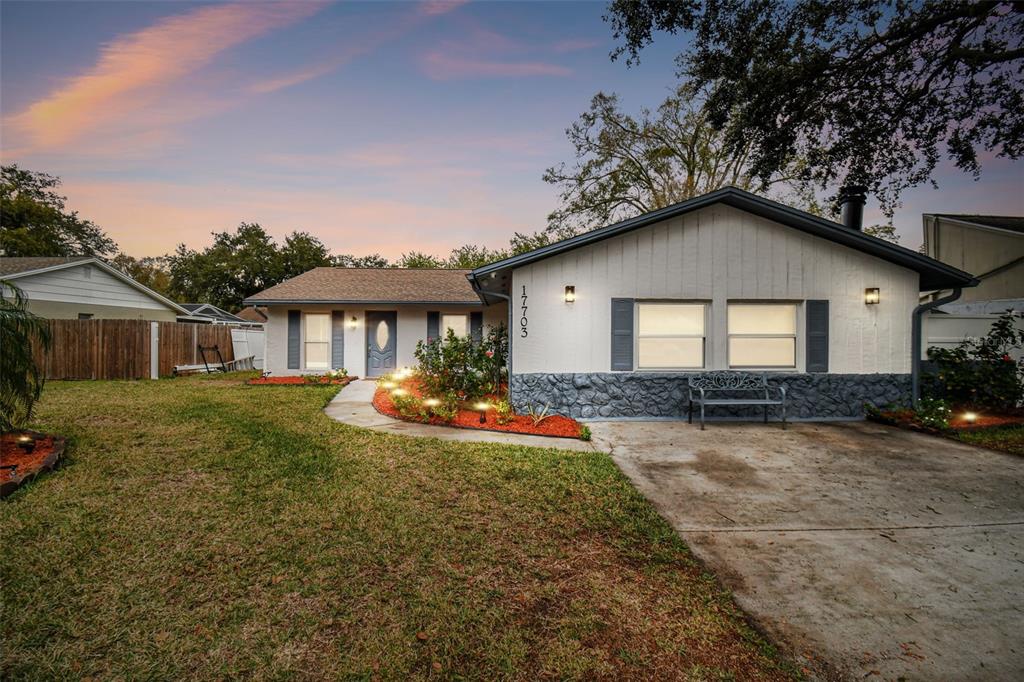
column 379, row 127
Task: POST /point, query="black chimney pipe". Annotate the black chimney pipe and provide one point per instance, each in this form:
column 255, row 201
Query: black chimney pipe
column 851, row 200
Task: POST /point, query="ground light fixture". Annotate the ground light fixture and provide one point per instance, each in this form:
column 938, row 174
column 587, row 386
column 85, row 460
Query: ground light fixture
column 398, row 391
column 871, row 296
column 26, row 443
column 970, row 417
column 482, row 407
column 431, row 402
column 570, row 294
column 388, row 385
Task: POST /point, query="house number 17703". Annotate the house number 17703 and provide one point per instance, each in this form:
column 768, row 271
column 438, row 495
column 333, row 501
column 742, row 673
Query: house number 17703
column 522, row 319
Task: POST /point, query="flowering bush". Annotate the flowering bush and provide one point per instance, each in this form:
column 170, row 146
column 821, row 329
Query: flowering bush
column 933, row 413
column 980, row 372
column 459, row 365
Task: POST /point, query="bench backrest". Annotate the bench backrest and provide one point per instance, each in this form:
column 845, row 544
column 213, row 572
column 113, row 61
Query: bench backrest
column 728, row 381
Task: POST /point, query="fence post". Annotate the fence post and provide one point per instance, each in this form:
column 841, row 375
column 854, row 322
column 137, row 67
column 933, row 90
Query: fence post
column 154, row 350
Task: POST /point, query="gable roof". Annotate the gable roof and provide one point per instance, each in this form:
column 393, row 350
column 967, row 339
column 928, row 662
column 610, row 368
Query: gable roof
column 999, row 222
column 253, row 314
column 17, row 267
column 372, row 285
column 934, row 274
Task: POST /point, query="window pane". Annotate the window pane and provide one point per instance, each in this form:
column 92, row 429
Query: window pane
column 318, row 327
column 670, row 353
column 317, row 356
column 658, row 319
column 764, row 352
column 762, row 319
column 457, row 323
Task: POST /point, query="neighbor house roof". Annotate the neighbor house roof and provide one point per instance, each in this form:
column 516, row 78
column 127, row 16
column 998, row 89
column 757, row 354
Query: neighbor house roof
column 211, row 311
column 17, row 267
column 494, row 277
column 999, row 222
column 371, row 285
column 253, row 314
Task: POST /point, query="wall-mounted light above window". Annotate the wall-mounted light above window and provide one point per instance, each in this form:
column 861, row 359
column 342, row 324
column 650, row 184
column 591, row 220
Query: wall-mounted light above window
column 570, row 294
column 871, row 296
column 353, row 322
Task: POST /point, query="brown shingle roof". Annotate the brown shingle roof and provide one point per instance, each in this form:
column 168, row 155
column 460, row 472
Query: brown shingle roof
column 371, row 285
column 18, row 264
column 253, row 314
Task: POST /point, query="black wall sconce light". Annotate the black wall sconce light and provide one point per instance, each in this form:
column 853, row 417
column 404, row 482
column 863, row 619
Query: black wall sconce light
column 871, row 296
column 570, row 294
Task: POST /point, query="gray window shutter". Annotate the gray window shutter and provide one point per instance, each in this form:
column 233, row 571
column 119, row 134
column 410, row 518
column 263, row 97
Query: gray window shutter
column 337, row 339
column 622, row 334
column 433, row 326
column 294, row 321
column 817, row 336
column 476, row 327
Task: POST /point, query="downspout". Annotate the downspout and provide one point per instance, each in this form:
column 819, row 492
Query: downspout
column 915, row 340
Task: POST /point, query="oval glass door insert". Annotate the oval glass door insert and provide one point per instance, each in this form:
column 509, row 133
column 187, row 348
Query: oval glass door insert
column 382, row 334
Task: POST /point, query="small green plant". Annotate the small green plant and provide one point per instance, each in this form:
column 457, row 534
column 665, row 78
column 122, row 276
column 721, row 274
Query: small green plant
column 339, row 373
column 933, row 413
column 503, row 413
column 447, row 407
column 585, row 432
column 410, row 406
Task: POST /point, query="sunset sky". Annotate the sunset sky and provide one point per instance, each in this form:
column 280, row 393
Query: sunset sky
column 377, row 127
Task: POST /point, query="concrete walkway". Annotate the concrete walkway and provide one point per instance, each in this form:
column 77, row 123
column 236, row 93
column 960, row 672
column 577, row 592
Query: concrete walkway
column 353, row 406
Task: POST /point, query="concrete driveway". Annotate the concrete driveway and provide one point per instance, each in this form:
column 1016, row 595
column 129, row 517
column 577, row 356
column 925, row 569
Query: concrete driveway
column 867, row 551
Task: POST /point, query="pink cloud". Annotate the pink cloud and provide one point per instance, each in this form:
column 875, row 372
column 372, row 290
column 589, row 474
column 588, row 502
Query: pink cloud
column 436, row 7
column 574, row 45
column 135, row 72
column 440, row 66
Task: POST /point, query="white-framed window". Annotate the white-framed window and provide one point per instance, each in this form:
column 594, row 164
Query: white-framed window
column 670, row 335
column 762, row 335
column 317, row 340
column 457, row 322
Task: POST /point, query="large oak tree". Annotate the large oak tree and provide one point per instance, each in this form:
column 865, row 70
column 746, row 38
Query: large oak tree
column 867, row 92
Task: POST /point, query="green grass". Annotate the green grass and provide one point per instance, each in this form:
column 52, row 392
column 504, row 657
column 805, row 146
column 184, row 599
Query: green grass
column 201, row 528
column 1007, row 438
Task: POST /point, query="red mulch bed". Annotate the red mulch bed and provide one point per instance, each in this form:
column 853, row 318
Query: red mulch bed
column 27, row 465
column 300, row 381
column 555, row 425
column 905, row 418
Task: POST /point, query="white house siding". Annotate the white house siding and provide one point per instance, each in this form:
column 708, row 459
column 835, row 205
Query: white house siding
column 87, row 289
column 411, row 327
column 714, row 255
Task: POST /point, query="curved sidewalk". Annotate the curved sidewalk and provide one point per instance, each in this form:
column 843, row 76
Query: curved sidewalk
column 353, row 406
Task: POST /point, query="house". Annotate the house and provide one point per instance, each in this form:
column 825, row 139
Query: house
column 990, row 247
column 367, row 320
column 609, row 323
column 209, row 314
column 85, row 288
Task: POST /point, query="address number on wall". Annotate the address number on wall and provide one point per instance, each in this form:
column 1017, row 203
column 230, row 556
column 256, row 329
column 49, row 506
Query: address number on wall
column 523, row 332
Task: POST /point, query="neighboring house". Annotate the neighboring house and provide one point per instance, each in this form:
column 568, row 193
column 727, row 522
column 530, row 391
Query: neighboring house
column 255, row 314
column 609, row 323
column 989, row 247
column 206, row 312
column 367, row 320
column 85, row 288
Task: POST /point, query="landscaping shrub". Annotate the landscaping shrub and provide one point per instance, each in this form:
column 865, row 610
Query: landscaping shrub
column 503, row 413
column 462, row 366
column 980, row 373
column 21, row 378
column 933, row 413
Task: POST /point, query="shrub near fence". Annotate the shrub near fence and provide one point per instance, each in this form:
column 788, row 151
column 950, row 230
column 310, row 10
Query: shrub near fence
column 122, row 349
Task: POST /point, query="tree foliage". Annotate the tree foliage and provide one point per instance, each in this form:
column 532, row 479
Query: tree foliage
column 867, row 92
column 240, row 264
column 149, row 271
column 34, row 220
column 886, row 231
column 628, row 165
column 21, row 379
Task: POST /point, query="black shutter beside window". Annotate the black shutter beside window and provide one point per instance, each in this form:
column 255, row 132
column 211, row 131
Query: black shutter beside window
column 433, row 326
column 294, row 322
column 337, row 339
column 476, row 327
column 817, row 336
column 622, row 334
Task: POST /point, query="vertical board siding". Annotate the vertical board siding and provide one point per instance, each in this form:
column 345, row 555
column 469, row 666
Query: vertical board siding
column 120, row 349
column 716, row 255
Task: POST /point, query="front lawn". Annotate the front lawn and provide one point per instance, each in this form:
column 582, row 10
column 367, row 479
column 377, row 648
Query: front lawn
column 202, row 528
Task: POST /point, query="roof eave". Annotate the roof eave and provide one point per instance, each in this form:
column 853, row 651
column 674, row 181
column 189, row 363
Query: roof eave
column 313, row 301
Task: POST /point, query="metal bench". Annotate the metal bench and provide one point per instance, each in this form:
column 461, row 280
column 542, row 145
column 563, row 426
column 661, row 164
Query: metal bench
column 714, row 384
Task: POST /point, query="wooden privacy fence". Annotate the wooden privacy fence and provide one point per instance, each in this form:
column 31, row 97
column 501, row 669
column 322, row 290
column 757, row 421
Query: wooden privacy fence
column 127, row 349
